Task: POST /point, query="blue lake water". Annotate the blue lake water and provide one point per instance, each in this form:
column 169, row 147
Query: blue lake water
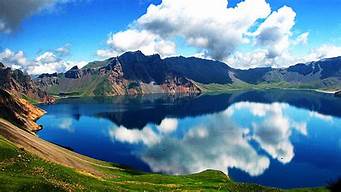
column 276, row 138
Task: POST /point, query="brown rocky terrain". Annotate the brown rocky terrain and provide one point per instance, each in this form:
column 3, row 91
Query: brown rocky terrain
column 130, row 74
column 19, row 111
column 20, row 84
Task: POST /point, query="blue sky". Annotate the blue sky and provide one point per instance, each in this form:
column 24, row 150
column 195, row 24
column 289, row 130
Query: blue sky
column 86, row 26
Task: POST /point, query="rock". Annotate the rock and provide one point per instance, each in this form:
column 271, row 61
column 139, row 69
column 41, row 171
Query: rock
column 338, row 94
column 19, row 111
column 19, row 84
column 2, row 65
column 74, row 73
column 46, row 75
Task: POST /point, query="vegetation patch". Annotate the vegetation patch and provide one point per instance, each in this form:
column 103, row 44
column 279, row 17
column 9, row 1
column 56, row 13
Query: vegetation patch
column 22, row 171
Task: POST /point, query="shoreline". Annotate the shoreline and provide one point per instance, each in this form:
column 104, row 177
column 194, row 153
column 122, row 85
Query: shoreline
column 107, row 172
column 202, row 93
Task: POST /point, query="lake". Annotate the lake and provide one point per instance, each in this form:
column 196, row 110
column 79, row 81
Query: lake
column 276, row 138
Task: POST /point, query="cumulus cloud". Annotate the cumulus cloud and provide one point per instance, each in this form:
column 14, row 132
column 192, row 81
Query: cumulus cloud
column 13, row 59
column 325, row 51
column 274, row 131
column 13, row 12
column 275, row 31
column 258, row 58
column 226, row 144
column 211, row 26
column 132, row 40
column 216, row 30
column 146, row 136
column 224, row 147
column 47, row 62
column 168, row 125
column 208, row 25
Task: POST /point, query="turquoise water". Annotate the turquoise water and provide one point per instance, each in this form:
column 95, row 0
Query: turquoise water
column 276, row 138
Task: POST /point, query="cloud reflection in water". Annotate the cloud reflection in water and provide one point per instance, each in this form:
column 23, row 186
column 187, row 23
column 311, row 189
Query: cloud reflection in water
column 217, row 141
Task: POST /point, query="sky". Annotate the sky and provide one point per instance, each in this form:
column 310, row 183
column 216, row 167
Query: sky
column 46, row 36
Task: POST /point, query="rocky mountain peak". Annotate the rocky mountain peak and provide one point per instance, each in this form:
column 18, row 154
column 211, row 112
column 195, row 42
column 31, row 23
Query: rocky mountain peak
column 2, row 65
column 20, row 84
column 74, row 73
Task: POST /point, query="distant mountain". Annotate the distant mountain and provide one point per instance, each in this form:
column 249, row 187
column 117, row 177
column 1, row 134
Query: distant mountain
column 135, row 73
column 321, row 74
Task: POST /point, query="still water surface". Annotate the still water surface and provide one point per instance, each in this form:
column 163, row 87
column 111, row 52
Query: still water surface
column 276, row 138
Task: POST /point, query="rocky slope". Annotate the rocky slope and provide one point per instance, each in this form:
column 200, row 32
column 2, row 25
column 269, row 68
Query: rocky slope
column 21, row 85
column 130, row 74
column 19, row 111
column 135, row 73
column 323, row 74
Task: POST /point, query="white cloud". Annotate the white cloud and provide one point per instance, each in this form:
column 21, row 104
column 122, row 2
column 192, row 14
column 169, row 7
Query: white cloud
column 317, row 115
column 325, row 51
column 63, row 51
column 274, row 131
column 106, row 53
column 215, row 30
column 168, row 125
column 66, row 124
column 208, row 25
column 47, row 62
column 302, row 39
column 13, row 59
column 218, row 144
column 132, row 40
column 133, row 136
column 259, row 58
column 275, row 31
column 214, row 141
column 13, row 12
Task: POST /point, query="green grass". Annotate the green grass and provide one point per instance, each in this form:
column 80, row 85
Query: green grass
column 80, row 87
column 29, row 99
column 21, row 171
column 218, row 88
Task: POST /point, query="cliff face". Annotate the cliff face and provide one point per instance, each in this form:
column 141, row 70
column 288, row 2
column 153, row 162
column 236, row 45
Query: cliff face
column 130, row 74
column 19, row 111
column 20, row 84
column 135, row 73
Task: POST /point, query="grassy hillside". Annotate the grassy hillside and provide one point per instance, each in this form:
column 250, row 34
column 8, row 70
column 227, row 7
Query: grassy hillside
column 209, row 88
column 86, row 86
column 22, row 171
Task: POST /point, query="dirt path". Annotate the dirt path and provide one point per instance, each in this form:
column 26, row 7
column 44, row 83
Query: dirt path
column 51, row 152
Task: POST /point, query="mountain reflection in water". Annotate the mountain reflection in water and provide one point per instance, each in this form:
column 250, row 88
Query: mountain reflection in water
column 256, row 136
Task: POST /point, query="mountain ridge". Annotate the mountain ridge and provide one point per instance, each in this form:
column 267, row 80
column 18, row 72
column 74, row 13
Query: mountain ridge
column 134, row 73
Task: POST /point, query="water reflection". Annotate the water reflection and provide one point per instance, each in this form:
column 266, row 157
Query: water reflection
column 252, row 136
column 217, row 141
